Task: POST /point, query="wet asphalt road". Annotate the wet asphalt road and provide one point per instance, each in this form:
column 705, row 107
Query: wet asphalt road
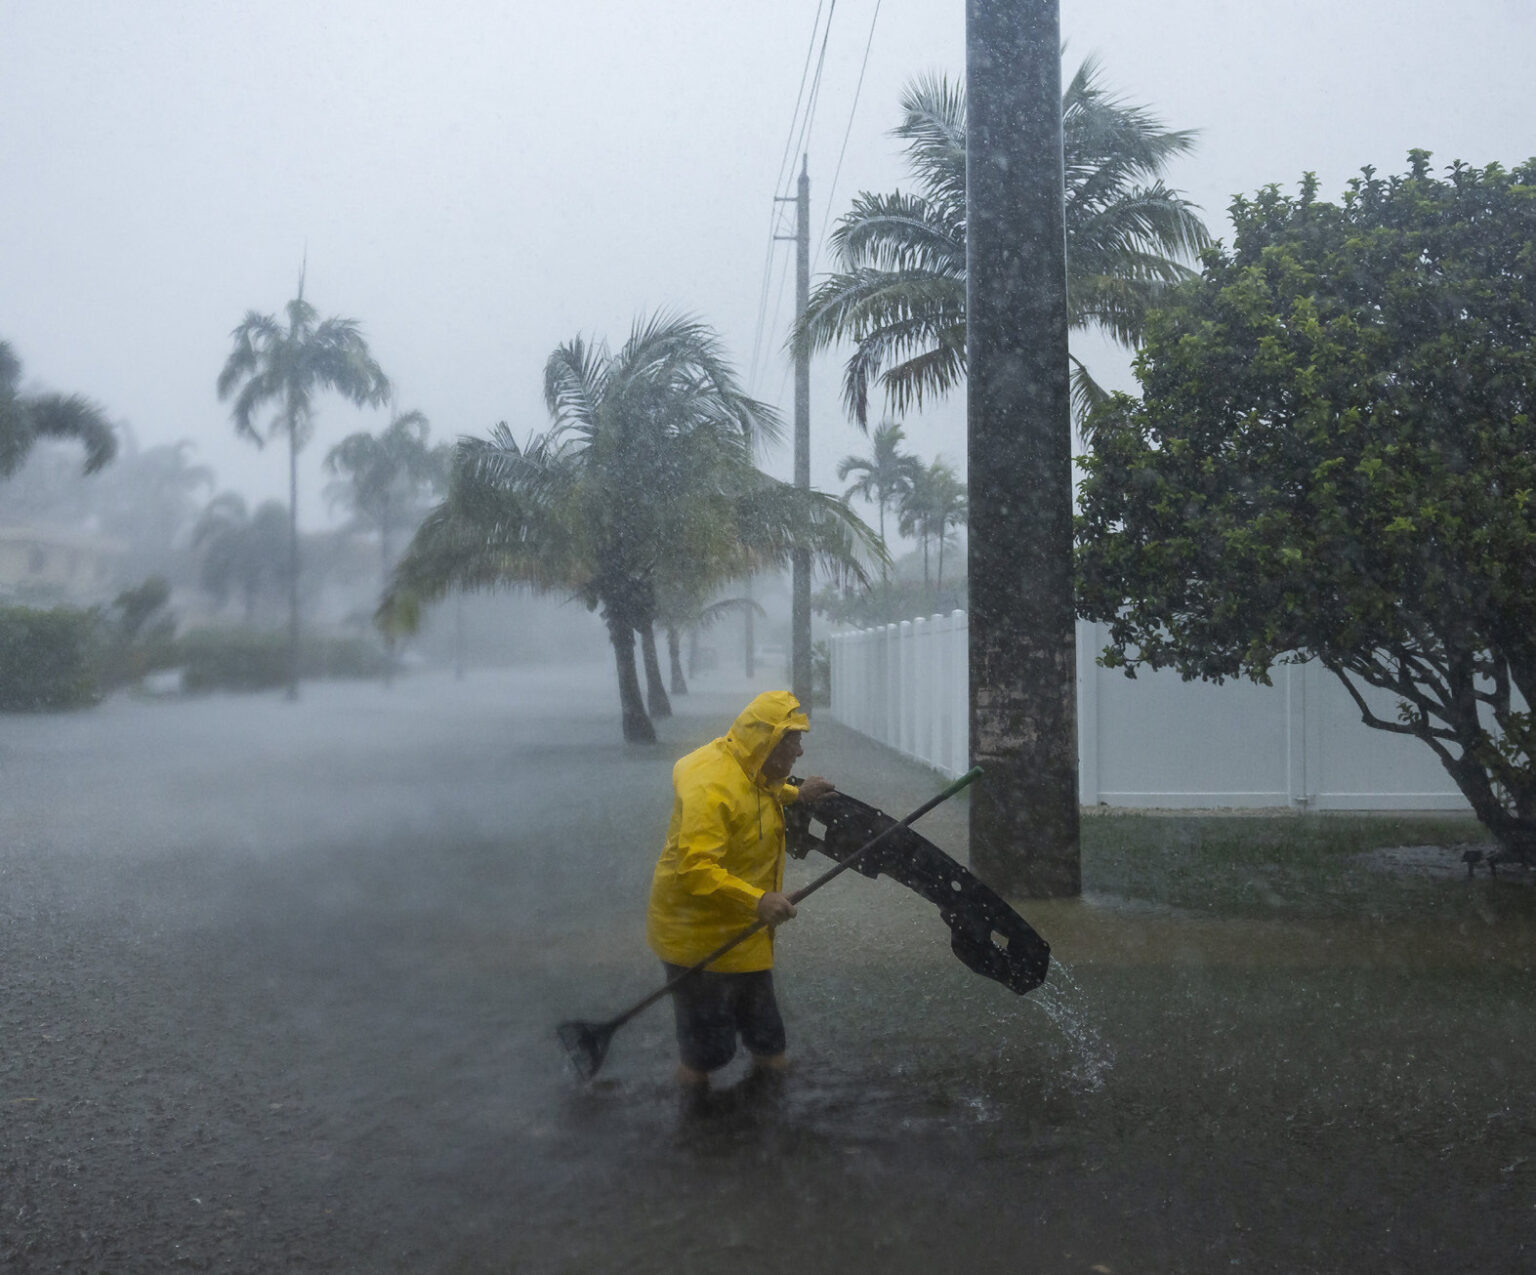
column 278, row 984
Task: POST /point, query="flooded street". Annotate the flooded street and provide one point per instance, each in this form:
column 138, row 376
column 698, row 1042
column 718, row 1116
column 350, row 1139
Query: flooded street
column 279, row 985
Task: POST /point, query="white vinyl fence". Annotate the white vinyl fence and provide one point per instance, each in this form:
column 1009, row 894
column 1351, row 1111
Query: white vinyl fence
column 1151, row 741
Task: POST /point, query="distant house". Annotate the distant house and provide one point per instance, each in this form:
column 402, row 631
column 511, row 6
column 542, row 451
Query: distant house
column 41, row 566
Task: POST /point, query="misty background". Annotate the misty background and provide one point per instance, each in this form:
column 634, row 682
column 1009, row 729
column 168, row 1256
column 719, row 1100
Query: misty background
column 479, row 182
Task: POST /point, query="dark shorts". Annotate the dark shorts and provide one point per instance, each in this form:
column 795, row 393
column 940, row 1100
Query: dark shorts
column 713, row 1009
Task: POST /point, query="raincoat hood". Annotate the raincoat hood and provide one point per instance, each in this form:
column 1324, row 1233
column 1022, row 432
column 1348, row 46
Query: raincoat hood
column 760, row 727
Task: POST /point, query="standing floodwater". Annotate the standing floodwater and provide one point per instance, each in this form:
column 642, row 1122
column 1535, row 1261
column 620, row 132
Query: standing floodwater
column 280, row 984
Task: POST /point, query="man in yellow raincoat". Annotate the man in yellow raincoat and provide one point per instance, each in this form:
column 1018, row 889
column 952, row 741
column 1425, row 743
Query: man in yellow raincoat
column 722, row 868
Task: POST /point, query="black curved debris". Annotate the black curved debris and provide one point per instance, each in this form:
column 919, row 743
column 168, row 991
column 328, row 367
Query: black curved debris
column 985, row 932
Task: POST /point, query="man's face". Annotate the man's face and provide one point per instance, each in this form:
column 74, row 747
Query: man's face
column 783, row 757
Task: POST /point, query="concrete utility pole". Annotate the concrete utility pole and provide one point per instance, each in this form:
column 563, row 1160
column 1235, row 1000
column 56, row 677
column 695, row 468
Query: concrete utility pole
column 1024, row 815
column 800, row 610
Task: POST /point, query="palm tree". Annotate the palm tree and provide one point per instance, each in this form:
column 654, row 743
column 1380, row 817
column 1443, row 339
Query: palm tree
column 644, row 479
column 679, row 613
column 935, row 502
column 900, row 292
column 242, row 551
column 886, row 475
column 385, row 479
column 286, row 365
column 25, row 418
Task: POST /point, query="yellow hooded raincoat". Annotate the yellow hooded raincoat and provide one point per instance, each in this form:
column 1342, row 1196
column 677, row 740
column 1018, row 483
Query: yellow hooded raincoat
column 725, row 843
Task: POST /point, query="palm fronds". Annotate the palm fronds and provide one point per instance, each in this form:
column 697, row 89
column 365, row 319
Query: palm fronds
column 25, row 418
column 899, row 293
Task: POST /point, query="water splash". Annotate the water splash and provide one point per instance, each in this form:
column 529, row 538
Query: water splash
column 1062, row 1000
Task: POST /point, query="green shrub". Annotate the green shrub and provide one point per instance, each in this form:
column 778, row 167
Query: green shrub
column 232, row 660
column 252, row 660
column 340, row 657
column 47, row 658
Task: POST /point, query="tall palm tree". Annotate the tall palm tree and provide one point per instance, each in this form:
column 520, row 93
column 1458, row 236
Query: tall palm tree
column 286, row 365
column 886, row 475
column 948, row 506
column 899, row 292
column 644, row 479
column 25, row 418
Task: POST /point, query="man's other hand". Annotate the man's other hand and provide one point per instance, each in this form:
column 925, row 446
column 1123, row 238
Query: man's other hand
column 774, row 908
column 815, row 788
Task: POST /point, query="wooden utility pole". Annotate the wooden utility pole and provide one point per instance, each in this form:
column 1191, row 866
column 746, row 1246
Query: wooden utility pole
column 800, row 608
column 1023, row 710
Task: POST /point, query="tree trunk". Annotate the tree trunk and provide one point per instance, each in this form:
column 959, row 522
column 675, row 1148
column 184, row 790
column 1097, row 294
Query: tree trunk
column 637, row 726
column 293, row 559
column 1024, row 815
column 655, row 687
column 885, row 576
column 675, row 656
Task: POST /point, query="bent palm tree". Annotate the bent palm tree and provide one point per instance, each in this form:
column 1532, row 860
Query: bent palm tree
column 643, row 481
column 25, row 418
column 899, row 295
column 287, row 365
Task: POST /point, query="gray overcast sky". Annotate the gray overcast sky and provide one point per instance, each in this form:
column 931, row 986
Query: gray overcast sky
column 478, row 181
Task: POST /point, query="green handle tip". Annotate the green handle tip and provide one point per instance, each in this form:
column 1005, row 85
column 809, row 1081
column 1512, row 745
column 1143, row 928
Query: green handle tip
column 970, row 777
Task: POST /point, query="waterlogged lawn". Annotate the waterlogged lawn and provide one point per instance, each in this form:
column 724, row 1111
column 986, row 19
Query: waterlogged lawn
column 1283, row 865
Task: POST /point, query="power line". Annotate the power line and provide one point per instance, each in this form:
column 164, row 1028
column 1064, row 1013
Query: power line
column 789, row 149
column 821, row 239
column 778, row 181
column 815, row 96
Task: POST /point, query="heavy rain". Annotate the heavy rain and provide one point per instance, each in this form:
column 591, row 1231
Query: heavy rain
column 453, row 459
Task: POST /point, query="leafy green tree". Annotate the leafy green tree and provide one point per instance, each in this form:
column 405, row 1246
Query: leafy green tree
column 885, row 476
column 644, row 480
column 154, row 497
column 1334, row 458
column 285, row 365
column 899, row 292
column 147, row 500
column 932, row 506
column 25, row 418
